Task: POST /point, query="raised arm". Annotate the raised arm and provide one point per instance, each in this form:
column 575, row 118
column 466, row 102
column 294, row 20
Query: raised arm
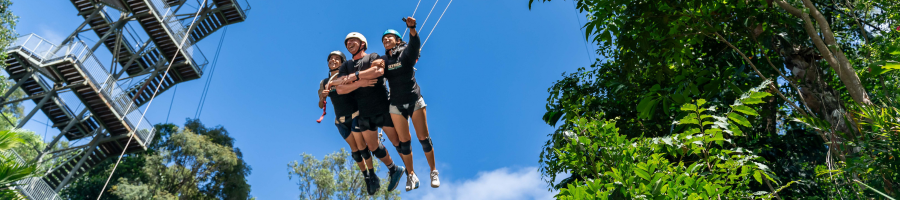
column 411, row 54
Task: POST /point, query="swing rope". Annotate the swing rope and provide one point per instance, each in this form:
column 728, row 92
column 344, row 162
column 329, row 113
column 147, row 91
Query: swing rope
column 435, row 25
column 414, row 14
column 429, row 13
column 152, row 97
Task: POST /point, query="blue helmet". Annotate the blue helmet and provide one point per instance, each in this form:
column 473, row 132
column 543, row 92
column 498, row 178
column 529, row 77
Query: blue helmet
column 391, row 31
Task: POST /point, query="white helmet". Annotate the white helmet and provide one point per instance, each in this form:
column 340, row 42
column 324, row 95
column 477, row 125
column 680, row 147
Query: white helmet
column 356, row 35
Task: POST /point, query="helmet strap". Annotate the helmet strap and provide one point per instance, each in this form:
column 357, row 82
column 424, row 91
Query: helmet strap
column 360, row 49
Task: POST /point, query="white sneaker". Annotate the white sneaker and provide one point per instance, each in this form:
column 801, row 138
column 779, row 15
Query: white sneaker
column 412, row 182
column 435, row 182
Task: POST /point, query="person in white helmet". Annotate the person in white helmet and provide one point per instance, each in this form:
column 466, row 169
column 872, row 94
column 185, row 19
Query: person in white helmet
column 372, row 103
column 345, row 108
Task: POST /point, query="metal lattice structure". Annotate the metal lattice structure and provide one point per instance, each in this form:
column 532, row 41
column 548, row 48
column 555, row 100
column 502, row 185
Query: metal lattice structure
column 109, row 95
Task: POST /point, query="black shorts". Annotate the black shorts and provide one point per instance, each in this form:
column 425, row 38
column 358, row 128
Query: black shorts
column 344, row 127
column 372, row 123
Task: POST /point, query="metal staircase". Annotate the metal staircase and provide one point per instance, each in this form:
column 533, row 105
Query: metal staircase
column 60, row 114
column 79, row 71
column 224, row 13
column 110, row 115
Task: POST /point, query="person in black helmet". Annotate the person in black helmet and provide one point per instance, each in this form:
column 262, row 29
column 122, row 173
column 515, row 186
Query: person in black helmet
column 372, row 103
column 345, row 109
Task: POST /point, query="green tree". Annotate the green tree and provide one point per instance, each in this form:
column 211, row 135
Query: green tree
column 12, row 167
column 334, row 177
column 821, row 59
column 194, row 162
column 194, row 159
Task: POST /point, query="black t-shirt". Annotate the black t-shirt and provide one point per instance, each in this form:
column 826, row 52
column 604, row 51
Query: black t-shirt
column 344, row 105
column 373, row 100
column 401, row 75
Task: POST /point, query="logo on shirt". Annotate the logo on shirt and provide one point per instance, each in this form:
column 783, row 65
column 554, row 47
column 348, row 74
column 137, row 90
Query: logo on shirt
column 394, row 66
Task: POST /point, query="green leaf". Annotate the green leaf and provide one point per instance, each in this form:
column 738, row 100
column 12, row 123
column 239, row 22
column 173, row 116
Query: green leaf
column 739, row 119
column 891, row 65
column 552, row 117
column 641, row 173
column 758, row 177
column 700, row 102
column 679, row 99
column 751, row 101
column 694, row 90
column 759, row 95
column 744, row 109
column 644, row 103
column 688, row 107
column 735, row 130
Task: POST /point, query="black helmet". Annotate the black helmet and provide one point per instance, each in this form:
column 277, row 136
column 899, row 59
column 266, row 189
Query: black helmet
column 343, row 58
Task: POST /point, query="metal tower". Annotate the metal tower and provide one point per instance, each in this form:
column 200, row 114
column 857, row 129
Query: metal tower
column 109, row 95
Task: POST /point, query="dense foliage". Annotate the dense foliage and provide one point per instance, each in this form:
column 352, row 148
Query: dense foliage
column 336, row 176
column 194, row 162
column 827, row 131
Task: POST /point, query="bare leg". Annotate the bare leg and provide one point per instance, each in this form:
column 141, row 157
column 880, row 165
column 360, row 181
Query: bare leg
column 352, row 142
column 421, row 124
column 371, row 138
column 361, row 144
column 401, row 129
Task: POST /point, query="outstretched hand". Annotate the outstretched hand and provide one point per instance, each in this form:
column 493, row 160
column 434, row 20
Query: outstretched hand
column 410, row 21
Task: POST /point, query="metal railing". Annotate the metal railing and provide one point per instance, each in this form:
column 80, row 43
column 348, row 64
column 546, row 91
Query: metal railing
column 178, row 31
column 245, row 10
column 31, row 187
column 112, row 91
column 78, row 52
column 38, row 47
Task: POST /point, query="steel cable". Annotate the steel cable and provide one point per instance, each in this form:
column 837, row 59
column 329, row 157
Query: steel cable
column 153, row 96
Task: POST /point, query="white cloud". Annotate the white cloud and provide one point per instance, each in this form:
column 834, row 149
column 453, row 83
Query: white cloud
column 499, row 184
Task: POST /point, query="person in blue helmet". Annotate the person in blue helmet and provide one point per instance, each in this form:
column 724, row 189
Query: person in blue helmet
column 406, row 99
column 345, row 109
column 372, row 103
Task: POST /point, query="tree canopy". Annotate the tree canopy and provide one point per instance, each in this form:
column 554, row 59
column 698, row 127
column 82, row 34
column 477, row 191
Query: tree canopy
column 829, row 67
column 336, row 176
column 194, row 162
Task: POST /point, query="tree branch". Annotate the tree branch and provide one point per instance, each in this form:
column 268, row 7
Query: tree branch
column 837, row 61
column 771, row 84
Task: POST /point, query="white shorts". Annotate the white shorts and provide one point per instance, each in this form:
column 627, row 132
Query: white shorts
column 406, row 110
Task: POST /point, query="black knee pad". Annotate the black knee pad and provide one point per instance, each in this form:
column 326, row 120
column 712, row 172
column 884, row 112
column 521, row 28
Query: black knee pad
column 426, row 144
column 399, row 148
column 356, row 156
column 365, row 154
column 380, row 152
column 405, row 148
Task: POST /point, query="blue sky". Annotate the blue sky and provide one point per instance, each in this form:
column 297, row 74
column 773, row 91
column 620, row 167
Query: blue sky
column 484, row 74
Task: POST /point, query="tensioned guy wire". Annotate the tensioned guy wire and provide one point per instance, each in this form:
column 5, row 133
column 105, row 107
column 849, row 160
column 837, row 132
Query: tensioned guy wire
column 153, row 96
